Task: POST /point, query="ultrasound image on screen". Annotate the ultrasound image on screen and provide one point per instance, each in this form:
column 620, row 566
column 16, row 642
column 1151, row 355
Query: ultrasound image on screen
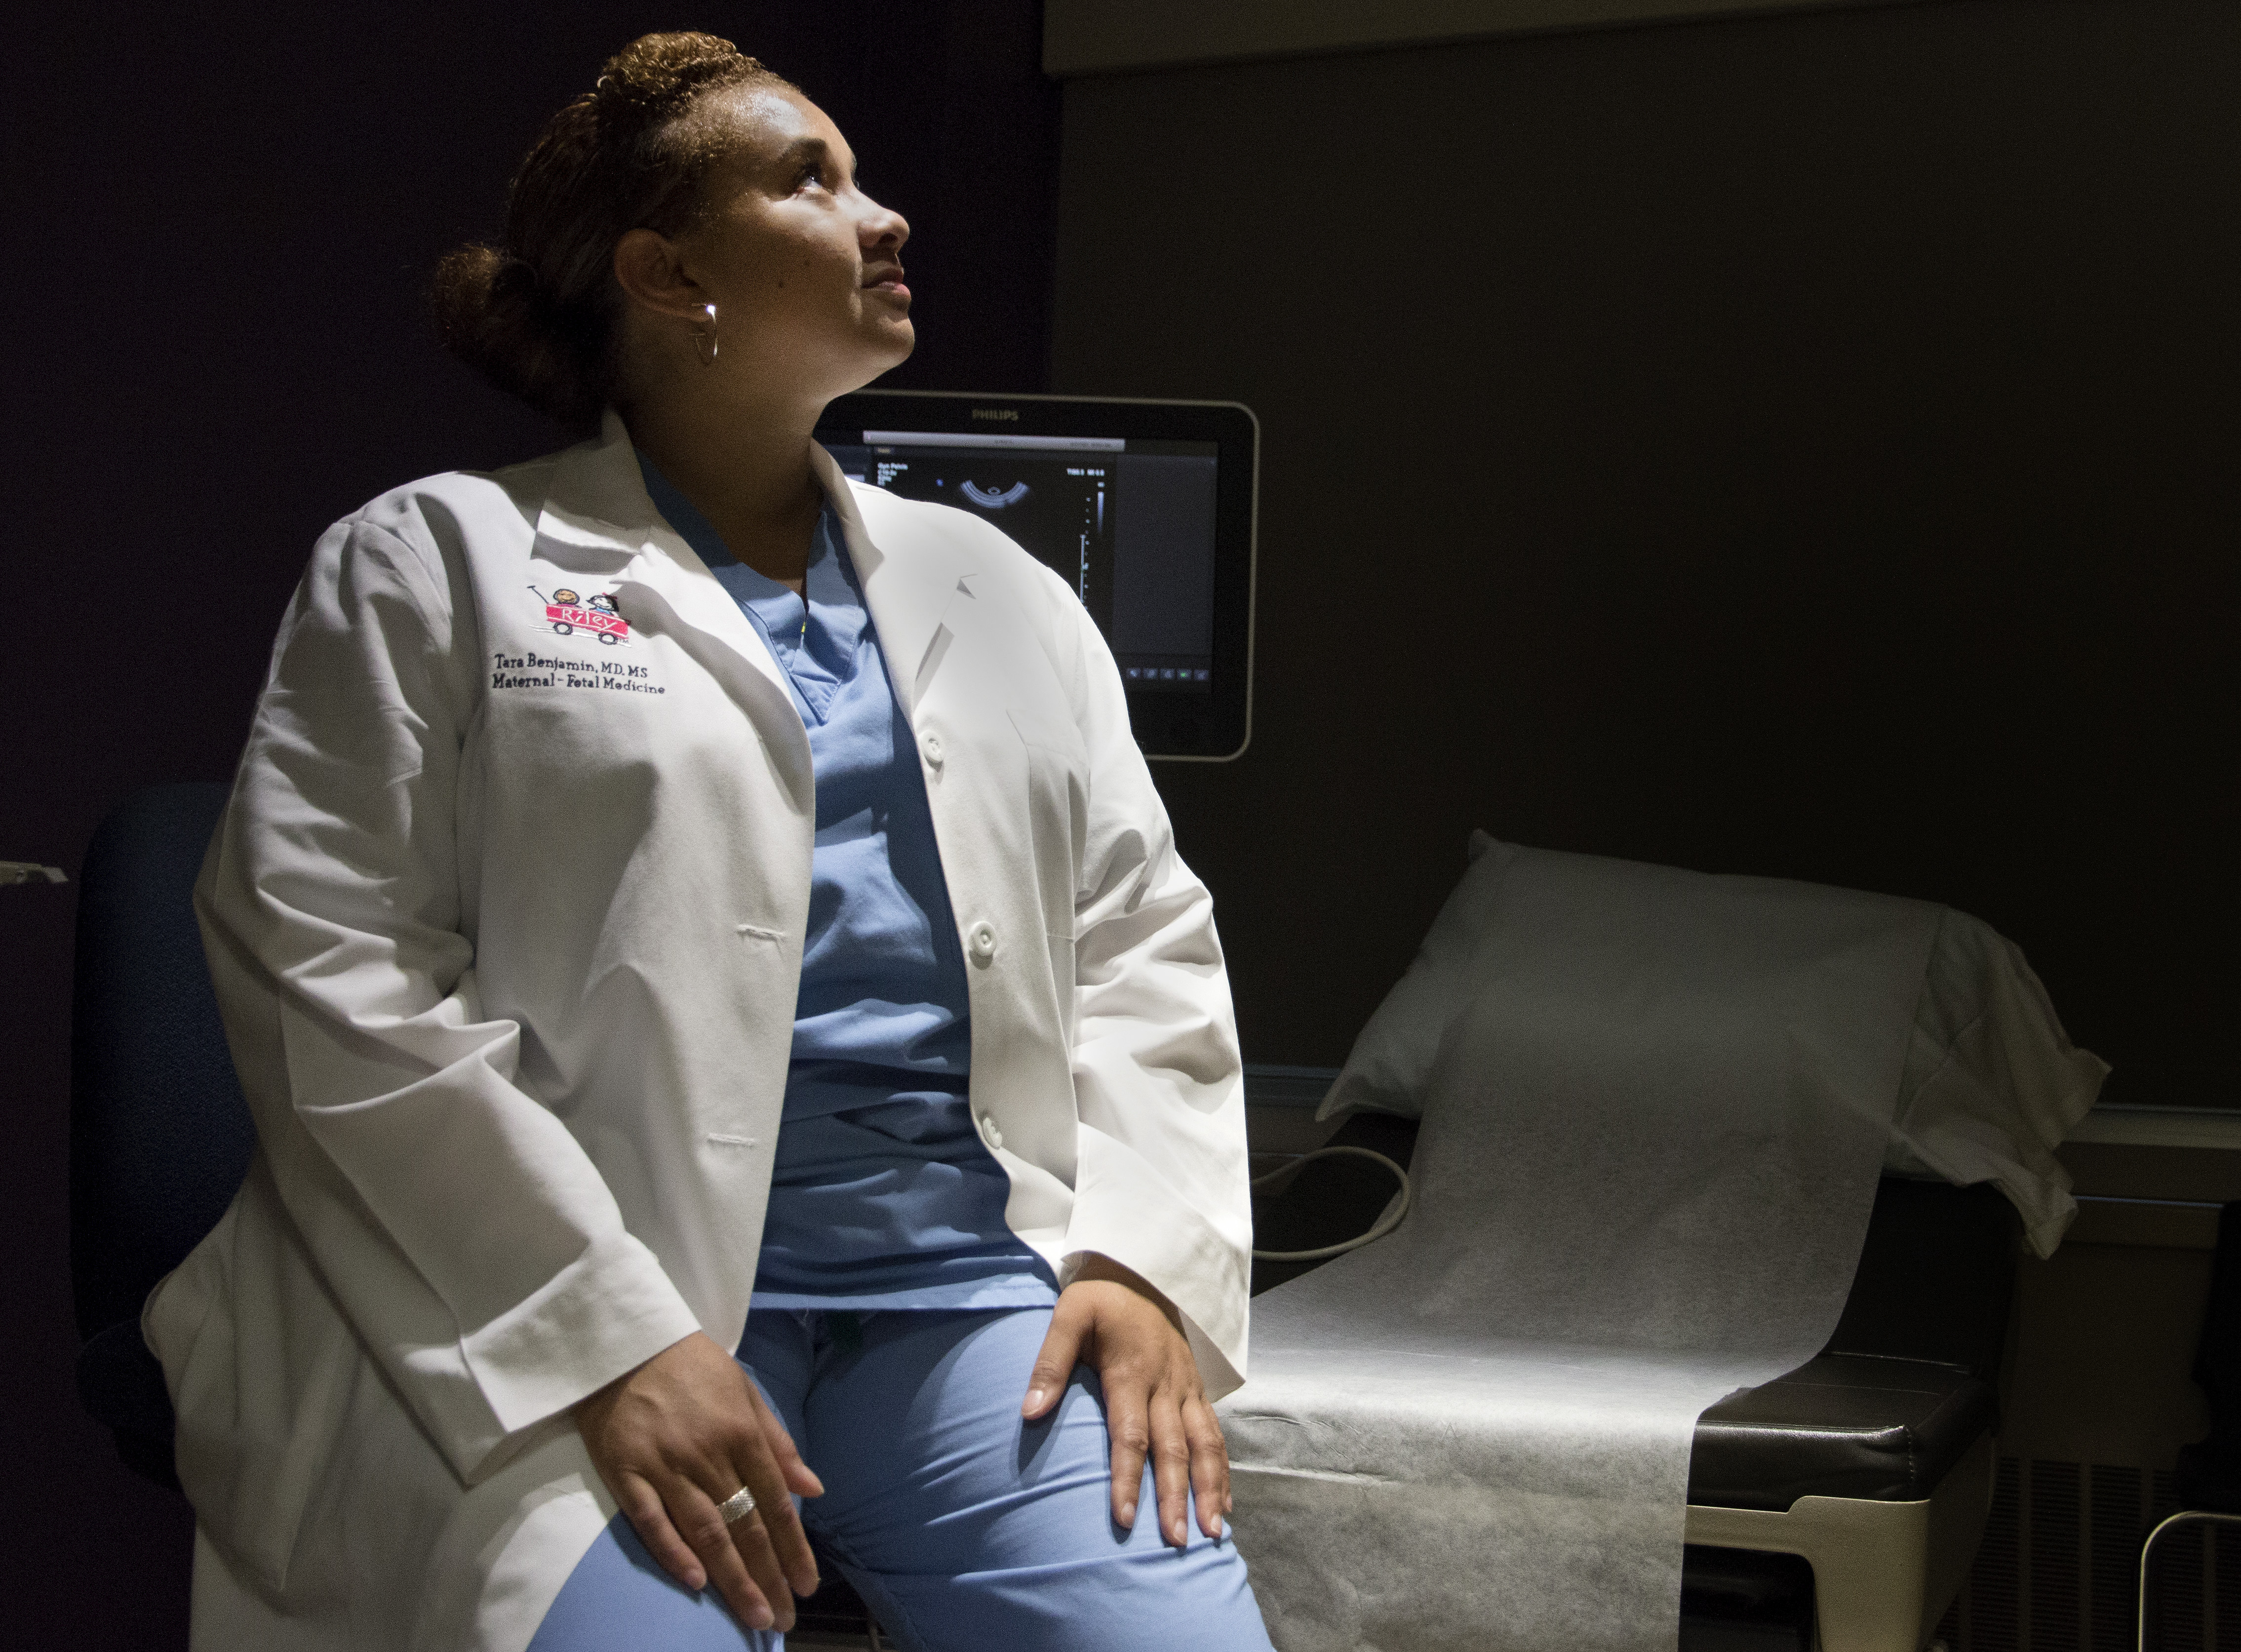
column 1130, row 527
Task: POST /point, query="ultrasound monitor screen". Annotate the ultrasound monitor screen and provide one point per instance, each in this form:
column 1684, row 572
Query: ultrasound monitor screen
column 1128, row 524
column 1125, row 501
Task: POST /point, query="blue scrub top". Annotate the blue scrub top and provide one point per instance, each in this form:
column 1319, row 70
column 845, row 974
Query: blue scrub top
column 883, row 1196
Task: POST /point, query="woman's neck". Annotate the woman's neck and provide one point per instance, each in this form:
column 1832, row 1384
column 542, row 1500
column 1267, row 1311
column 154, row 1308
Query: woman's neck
column 746, row 470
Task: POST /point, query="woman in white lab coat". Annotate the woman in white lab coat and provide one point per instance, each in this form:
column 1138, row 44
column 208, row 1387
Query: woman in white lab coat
column 535, row 864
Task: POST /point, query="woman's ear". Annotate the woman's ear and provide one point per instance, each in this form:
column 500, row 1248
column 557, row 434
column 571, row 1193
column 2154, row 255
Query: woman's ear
column 650, row 269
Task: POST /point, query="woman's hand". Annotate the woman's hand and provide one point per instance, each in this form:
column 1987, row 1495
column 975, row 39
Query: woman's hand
column 673, row 1440
column 1116, row 1324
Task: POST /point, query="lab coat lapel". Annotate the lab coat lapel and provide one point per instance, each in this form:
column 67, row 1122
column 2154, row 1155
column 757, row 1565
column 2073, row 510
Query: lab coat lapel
column 917, row 590
column 598, row 521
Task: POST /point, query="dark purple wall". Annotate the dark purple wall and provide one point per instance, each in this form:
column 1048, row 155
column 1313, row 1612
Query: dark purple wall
column 220, row 220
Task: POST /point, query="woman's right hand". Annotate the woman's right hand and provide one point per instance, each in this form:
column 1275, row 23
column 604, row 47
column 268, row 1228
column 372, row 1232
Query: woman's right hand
column 673, row 1440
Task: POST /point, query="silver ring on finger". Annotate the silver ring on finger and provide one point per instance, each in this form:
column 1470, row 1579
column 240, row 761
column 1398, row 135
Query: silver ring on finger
column 737, row 1507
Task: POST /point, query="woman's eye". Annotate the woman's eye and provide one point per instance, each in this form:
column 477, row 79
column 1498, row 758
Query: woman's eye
column 812, row 173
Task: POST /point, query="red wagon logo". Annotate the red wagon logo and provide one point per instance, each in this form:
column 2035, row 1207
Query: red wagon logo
column 570, row 613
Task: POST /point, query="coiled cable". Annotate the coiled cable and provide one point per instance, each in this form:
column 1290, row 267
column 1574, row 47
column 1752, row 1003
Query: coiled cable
column 1384, row 1225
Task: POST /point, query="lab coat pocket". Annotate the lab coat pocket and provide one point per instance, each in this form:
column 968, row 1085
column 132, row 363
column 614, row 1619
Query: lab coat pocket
column 1058, row 817
column 1061, row 963
column 260, row 1364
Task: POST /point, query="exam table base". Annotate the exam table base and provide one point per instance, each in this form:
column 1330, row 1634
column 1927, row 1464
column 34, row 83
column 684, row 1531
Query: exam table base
column 1884, row 1573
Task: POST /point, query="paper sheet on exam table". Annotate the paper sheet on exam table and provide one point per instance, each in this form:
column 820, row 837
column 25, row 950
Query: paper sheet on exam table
column 1643, row 1182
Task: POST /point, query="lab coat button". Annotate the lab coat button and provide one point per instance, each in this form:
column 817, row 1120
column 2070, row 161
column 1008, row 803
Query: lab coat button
column 990, row 1134
column 931, row 745
column 982, row 937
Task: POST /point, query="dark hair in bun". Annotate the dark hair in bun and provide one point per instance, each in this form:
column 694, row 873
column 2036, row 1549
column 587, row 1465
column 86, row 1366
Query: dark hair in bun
column 537, row 315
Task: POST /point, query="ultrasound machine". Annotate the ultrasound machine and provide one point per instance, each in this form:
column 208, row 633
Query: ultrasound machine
column 1145, row 508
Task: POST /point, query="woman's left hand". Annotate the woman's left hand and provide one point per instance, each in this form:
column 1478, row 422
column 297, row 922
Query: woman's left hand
column 1112, row 1321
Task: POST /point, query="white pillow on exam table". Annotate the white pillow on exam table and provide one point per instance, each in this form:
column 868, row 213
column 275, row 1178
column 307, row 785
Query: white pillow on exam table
column 1992, row 1085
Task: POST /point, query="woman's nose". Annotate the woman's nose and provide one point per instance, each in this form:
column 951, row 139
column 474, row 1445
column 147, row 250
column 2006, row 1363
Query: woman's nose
column 884, row 228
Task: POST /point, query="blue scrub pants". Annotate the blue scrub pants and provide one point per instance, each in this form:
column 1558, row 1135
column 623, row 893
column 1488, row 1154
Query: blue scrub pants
column 963, row 1526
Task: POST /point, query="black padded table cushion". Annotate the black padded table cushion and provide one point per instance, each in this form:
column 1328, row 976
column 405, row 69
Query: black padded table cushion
column 1908, row 1382
column 1841, row 1425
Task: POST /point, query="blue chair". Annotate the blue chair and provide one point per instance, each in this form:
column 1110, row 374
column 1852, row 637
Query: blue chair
column 160, row 1136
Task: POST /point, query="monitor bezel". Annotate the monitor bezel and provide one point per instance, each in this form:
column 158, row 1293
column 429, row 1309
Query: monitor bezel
column 1169, row 728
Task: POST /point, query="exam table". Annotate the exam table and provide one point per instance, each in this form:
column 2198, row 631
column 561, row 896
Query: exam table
column 1696, row 1288
column 1841, row 1505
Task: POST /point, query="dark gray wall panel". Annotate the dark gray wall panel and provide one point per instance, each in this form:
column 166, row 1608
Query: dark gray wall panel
column 1800, row 445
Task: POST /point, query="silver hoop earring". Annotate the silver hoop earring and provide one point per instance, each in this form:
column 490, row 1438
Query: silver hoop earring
column 705, row 340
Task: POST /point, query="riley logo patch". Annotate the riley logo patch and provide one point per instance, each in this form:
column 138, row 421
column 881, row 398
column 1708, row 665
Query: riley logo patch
column 566, row 613
column 569, row 614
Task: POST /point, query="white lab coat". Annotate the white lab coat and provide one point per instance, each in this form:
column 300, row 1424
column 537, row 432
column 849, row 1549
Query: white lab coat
column 506, row 926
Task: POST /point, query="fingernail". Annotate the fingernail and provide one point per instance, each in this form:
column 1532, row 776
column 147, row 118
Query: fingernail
column 1127, row 1514
column 1035, row 1402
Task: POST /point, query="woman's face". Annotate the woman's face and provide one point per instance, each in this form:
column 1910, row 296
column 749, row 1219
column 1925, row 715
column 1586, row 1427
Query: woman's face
column 803, row 267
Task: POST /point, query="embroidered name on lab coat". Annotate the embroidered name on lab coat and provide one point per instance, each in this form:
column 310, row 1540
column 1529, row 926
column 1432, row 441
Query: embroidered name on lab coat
column 533, row 669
